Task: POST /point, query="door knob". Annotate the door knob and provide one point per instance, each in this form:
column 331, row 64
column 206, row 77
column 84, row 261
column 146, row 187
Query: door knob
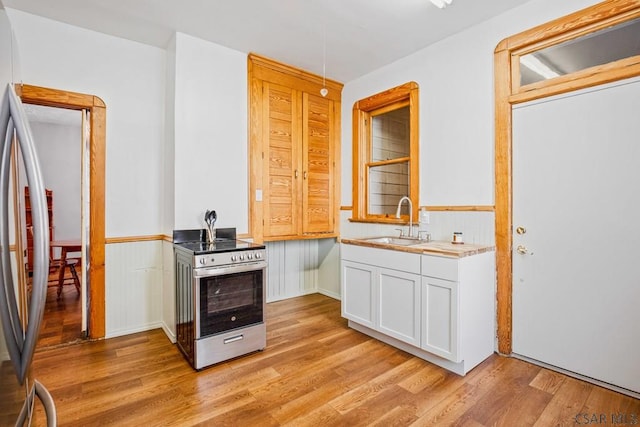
column 523, row 250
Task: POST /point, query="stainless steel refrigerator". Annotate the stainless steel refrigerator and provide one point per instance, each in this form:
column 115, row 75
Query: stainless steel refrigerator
column 21, row 395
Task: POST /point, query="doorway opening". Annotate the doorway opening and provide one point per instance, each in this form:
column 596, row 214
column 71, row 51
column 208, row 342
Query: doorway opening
column 61, row 140
column 95, row 110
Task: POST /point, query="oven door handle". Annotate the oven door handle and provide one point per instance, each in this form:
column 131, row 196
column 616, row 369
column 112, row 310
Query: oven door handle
column 230, row 269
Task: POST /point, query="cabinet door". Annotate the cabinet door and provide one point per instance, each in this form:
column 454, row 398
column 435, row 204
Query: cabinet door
column 281, row 136
column 399, row 305
column 440, row 334
column 318, row 162
column 358, row 293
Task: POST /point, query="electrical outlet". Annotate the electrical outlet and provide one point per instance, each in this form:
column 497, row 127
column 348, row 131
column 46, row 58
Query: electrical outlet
column 424, row 217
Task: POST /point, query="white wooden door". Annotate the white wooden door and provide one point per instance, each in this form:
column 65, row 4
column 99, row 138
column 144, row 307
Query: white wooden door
column 576, row 195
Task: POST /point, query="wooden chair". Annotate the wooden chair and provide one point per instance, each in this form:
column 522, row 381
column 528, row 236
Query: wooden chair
column 58, row 267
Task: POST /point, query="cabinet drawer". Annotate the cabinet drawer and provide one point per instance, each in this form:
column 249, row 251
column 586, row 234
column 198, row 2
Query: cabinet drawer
column 440, row 267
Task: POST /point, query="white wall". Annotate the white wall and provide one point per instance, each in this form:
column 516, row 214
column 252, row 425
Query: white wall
column 130, row 78
column 211, row 160
column 59, row 148
column 168, row 195
column 456, row 114
column 5, row 77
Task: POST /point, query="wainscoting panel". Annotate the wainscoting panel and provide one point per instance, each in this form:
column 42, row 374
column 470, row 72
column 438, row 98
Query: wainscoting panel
column 133, row 291
column 293, row 269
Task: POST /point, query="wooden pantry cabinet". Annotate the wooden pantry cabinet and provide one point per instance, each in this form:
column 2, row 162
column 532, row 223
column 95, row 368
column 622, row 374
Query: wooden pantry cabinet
column 294, row 152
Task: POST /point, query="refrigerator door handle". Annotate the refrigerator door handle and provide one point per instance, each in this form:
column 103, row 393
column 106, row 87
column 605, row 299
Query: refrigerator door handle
column 11, row 326
column 21, row 343
column 41, row 392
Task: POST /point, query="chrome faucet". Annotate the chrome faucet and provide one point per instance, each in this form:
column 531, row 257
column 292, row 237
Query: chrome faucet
column 410, row 213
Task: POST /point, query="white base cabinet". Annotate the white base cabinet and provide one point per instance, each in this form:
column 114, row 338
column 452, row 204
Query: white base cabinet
column 382, row 291
column 441, row 309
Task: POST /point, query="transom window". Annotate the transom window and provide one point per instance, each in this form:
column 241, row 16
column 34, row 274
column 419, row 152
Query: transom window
column 385, row 153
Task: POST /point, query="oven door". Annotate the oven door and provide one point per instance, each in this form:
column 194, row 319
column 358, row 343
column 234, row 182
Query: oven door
column 229, row 297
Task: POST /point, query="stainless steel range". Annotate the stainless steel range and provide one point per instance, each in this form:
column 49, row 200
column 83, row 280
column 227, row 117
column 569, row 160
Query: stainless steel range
column 220, row 295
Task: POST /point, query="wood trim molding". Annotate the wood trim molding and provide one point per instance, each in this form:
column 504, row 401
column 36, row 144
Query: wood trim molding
column 97, row 108
column 134, row 239
column 263, row 68
column 508, row 92
column 468, row 208
column 387, row 97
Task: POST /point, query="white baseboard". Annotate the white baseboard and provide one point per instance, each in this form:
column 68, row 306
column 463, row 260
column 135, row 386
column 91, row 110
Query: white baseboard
column 330, row 294
column 142, row 328
column 169, row 333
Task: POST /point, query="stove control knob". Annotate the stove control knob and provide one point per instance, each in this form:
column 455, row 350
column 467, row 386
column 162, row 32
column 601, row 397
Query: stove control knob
column 241, row 257
column 234, row 258
column 258, row 255
column 203, row 261
column 250, row 256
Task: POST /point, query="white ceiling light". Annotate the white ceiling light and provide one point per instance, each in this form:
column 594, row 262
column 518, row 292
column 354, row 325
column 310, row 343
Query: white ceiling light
column 324, row 91
column 441, row 3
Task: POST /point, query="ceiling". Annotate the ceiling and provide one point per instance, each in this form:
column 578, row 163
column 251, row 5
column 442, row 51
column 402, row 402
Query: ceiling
column 360, row 35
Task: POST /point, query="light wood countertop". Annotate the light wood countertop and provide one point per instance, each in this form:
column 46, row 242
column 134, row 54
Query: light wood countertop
column 440, row 248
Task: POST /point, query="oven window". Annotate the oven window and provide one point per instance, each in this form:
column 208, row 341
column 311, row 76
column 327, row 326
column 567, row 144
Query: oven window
column 230, row 301
column 230, row 293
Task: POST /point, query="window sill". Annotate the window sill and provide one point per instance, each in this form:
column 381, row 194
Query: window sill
column 390, row 220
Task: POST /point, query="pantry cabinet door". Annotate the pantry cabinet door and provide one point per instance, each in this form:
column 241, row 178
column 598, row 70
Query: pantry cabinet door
column 281, row 110
column 318, row 184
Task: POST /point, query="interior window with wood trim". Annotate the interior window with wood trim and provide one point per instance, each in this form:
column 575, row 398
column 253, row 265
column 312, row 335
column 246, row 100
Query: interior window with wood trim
column 385, row 154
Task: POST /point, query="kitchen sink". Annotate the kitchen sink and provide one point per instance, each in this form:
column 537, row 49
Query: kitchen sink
column 399, row 241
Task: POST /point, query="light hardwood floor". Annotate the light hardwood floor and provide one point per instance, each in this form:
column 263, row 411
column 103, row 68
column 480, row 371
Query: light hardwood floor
column 62, row 321
column 316, row 372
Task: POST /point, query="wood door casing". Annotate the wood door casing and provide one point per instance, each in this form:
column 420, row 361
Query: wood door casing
column 97, row 108
column 557, row 31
